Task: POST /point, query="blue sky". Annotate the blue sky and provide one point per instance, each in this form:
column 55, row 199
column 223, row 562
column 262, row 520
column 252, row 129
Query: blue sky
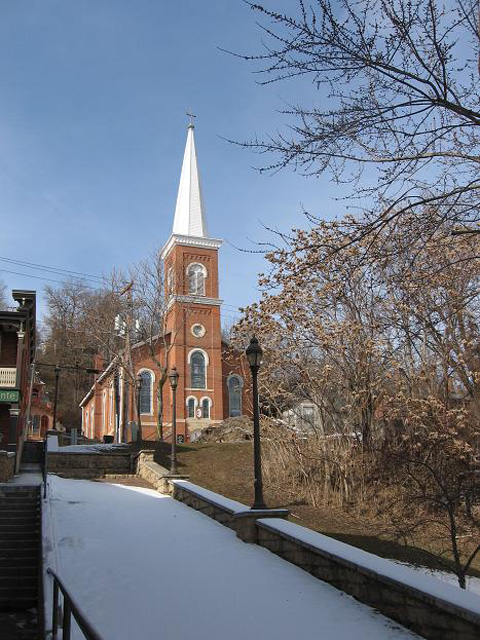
column 93, row 128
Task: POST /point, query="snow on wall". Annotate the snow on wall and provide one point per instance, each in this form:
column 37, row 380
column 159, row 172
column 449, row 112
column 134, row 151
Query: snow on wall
column 387, row 568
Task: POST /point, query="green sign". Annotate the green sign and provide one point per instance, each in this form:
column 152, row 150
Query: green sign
column 9, row 395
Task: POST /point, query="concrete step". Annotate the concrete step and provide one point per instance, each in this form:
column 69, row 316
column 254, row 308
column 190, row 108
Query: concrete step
column 19, row 564
column 8, row 504
column 19, row 535
column 32, row 456
column 18, row 492
column 29, row 501
column 16, row 602
column 28, row 520
column 20, row 580
column 10, row 592
column 19, row 625
column 19, row 554
column 25, row 546
column 12, row 516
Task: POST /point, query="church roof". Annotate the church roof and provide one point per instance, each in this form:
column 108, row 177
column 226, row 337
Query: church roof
column 190, row 217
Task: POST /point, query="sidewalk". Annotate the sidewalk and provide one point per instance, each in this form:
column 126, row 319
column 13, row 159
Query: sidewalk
column 144, row 566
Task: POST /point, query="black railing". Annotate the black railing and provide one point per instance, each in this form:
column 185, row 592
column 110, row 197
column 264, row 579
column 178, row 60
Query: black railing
column 45, row 465
column 70, row 608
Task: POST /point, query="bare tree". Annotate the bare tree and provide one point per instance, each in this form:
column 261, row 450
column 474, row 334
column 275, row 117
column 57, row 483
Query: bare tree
column 396, row 112
column 78, row 323
column 152, row 302
column 3, row 295
column 432, row 472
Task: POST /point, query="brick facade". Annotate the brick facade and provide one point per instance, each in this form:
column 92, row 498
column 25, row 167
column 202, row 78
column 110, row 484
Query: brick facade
column 100, row 413
column 17, row 350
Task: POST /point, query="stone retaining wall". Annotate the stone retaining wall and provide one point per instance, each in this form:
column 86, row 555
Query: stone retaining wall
column 428, row 615
column 89, row 465
column 211, row 504
column 367, row 578
column 7, row 465
column 215, row 509
column 152, row 472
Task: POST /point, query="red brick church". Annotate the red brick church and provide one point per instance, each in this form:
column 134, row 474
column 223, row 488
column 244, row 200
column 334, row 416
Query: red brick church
column 213, row 383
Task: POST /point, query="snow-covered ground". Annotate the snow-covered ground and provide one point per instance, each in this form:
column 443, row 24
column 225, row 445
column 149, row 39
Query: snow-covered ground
column 144, row 566
column 473, row 584
column 89, row 448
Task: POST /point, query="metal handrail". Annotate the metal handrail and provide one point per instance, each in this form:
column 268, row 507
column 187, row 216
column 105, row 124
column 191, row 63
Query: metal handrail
column 70, row 607
column 45, row 464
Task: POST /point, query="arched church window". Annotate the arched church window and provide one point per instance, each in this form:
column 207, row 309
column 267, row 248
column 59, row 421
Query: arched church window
column 235, row 385
column 170, row 280
column 196, row 275
column 191, row 407
column 198, row 370
column 146, row 392
column 206, row 408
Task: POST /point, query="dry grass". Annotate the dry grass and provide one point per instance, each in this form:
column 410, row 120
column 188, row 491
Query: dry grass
column 227, row 469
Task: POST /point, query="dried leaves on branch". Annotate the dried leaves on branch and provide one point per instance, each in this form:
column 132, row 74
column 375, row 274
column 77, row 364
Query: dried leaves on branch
column 386, row 349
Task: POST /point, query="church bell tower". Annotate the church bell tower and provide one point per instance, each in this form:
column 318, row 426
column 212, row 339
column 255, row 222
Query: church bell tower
column 193, row 319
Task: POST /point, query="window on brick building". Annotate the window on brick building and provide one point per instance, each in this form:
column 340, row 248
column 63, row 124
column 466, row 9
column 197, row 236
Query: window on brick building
column 191, row 407
column 196, row 274
column 235, row 386
column 206, row 408
column 198, row 370
column 146, row 392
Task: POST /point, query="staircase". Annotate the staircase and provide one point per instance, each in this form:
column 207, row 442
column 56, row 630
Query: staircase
column 32, row 452
column 19, row 560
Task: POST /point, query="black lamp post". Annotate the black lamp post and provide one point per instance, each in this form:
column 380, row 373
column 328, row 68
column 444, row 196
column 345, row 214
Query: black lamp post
column 174, row 375
column 254, row 354
column 55, row 396
column 138, row 384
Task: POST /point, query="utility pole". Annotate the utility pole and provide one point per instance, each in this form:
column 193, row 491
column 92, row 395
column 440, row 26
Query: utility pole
column 128, row 357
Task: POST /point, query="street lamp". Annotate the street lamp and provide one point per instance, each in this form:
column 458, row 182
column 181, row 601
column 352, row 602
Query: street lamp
column 138, row 385
column 174, row 375
column 254, row 355
column 55, row 396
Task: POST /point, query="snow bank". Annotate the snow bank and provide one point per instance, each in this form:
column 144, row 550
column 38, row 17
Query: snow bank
column 473, row 584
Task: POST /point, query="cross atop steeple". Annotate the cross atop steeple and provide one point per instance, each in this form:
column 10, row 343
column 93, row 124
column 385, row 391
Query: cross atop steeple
column 191, row 115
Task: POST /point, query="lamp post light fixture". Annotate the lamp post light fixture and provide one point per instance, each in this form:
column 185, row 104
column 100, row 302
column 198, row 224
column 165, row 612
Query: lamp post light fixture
column 254, row 355
column 138, row 385
column 173, row 376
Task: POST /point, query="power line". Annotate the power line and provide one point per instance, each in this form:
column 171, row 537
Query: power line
column 58, row 270
column 80, row 275
column 30, row 275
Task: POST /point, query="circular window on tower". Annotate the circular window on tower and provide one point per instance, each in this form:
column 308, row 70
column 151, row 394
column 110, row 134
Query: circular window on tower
column 198, row 330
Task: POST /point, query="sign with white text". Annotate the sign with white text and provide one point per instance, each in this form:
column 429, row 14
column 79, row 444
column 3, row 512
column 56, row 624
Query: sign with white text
column 9, row 395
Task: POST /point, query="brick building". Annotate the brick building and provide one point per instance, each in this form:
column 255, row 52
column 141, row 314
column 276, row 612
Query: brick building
column 41, row 411
column 17, row 352
column 213, row 379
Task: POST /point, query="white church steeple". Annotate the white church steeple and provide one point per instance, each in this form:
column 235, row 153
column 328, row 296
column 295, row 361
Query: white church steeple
column 190, row 223
column 190, row 217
